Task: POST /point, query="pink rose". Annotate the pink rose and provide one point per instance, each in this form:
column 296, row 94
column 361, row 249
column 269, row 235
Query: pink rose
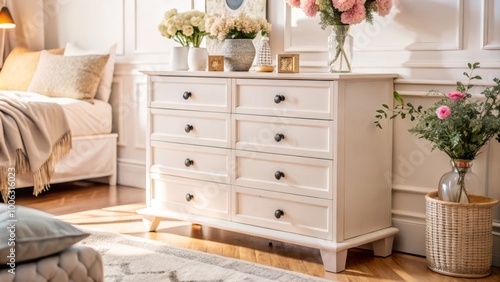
column 309, row 7
column 293, row 3
column 443, row 112
column 455, row 96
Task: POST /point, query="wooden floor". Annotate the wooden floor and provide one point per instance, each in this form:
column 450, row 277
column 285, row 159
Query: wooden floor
column 113, row 209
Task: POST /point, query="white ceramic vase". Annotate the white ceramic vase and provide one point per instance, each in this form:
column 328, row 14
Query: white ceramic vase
column 179, row 58
column 197, row 59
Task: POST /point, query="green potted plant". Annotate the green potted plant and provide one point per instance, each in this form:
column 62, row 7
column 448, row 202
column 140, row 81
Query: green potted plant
column 458, row 225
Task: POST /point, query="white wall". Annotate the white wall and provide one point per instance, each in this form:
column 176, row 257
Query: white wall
column 428, row 43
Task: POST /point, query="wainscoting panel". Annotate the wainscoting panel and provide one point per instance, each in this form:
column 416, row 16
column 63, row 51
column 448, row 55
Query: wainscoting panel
column 115, row 100
column 402, row 29
column 148, row 15
column 491, row 25
column 86, row 23
column 140, row 100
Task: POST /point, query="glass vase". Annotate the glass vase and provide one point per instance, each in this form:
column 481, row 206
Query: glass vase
column 340, row 45
column 455, row 186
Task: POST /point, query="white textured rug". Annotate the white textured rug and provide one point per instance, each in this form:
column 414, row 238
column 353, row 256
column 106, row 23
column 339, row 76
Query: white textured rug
column 128, row 258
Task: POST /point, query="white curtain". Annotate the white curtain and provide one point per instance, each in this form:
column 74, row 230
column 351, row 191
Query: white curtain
column 30, row 17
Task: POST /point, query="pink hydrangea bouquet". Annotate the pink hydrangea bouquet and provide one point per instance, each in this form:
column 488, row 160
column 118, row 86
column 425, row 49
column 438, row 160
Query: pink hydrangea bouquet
column 339, row 15
column 342, row 12
column 458, row 124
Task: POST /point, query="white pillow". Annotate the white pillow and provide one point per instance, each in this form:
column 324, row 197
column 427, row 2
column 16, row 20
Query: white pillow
column 104, row 88
column 68, row 76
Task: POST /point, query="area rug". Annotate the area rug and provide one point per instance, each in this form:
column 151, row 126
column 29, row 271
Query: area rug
column 128, row 258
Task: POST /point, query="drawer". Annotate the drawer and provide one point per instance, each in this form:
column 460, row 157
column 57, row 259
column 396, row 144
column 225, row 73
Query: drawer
column 308, row 99
column 205, row 94
column 203, row 163
column 190, row 196
column 300, row 137
column 279, row 173
column 202, row 128
column 301, row 215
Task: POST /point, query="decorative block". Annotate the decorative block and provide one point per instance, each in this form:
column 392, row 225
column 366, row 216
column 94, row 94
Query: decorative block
column 215, row 63
column 288, row 63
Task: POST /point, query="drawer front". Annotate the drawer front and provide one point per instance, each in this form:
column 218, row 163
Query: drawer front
column 287, row 174
column 190, row 196
column 201, row 128
column 300, row 137
column 204, row 163
column 308, row 99
column 301, row 215
column 190, row 93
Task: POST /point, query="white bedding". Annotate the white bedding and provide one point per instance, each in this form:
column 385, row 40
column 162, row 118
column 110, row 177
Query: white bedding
column 85, row 118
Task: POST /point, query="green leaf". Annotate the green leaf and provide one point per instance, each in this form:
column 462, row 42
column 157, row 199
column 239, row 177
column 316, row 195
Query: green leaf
column 385, row 106
column 398, row 98
column 380, row 111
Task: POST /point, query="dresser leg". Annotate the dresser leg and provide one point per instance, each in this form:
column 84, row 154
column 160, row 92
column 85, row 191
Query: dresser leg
column 383, row 247
column 151, row 222
column 332, row 261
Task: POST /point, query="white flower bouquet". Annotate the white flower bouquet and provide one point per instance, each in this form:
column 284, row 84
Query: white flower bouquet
column 240, row 26
column 188, row 28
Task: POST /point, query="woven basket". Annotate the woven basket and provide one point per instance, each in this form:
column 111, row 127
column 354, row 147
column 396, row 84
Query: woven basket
column 459, row 237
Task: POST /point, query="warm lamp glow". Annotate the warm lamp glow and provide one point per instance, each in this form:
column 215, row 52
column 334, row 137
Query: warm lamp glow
column 6, row 20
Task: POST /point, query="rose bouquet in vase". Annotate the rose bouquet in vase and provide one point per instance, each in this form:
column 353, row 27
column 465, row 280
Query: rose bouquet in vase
column 458, row 124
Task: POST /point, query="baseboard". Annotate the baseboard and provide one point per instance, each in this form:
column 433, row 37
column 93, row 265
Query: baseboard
column 131, row 173
column 411, row 239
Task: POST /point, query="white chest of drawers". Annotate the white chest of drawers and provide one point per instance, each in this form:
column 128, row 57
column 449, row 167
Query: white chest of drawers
column 289, row 157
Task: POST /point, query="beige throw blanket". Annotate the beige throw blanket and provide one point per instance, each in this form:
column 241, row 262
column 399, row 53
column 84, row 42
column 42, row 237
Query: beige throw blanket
column 34, row 135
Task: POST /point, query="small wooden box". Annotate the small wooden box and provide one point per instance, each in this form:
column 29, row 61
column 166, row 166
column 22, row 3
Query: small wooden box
column 215, row 63
column 288, row 63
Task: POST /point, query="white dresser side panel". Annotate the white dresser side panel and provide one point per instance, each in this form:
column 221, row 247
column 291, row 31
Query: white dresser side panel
column 366, row 163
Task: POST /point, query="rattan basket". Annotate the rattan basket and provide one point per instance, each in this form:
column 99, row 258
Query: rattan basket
column 459, row 237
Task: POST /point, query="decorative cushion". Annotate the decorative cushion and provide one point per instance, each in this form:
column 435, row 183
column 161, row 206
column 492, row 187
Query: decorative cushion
column 104, row 88
column 37, row 234
column 19, row 67
column 76, row 263
column 68, row 76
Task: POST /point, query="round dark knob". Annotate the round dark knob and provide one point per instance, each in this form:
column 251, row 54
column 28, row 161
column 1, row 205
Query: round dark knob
column 188, row 128
column 188, row 162
column 279, row 213
column 279, row 98
column 278, row 175
column 189, row 197
column 278, row 137
column 186, row 95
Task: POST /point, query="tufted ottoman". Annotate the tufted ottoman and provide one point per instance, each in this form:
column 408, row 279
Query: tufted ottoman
column 76, row 263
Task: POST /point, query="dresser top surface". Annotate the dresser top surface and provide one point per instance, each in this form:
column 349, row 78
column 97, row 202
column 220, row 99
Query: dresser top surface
column 273, row 75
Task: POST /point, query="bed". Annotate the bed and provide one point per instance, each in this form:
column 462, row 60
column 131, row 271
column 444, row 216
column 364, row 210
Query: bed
column 93, row 153
column 79, row 81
